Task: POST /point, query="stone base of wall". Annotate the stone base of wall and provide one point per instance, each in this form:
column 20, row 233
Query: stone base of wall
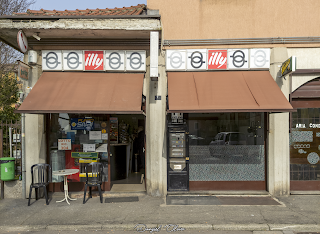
column 12, row 189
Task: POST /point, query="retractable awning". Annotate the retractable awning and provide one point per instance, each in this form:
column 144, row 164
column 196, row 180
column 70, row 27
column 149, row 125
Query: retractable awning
column 82, row 92
column 228, row 91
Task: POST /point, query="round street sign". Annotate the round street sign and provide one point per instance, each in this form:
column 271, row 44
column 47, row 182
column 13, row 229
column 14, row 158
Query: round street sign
column 22, row 41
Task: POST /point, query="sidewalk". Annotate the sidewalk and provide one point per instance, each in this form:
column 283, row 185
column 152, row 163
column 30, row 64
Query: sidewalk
column 294, row 213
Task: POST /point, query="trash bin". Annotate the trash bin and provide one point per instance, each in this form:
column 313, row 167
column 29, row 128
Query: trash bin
column 7, row 168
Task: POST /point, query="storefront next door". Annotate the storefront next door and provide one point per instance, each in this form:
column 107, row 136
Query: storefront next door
column 226, row 151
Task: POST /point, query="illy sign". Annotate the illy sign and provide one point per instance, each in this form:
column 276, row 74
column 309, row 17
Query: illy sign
column 93, row 61
column 218, row 59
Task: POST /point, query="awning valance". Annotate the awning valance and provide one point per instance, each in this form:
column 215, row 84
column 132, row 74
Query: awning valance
column 228, row 91
column 82, row 92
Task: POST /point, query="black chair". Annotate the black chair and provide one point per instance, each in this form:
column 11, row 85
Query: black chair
column 93, row 178
column 41, row 177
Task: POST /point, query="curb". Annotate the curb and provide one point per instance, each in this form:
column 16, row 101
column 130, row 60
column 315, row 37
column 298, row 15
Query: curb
column 241, row 227
column 295, row 227
column 172, row 227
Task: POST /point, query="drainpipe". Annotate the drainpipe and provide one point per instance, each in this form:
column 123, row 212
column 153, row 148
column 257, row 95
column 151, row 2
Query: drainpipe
column 23, row 153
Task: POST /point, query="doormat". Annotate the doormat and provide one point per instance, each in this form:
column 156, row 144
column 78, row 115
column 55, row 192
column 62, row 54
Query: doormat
column 121, row 199
column 221, row 200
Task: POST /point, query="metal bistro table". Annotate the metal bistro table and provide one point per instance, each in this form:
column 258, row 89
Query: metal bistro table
column 65, row 173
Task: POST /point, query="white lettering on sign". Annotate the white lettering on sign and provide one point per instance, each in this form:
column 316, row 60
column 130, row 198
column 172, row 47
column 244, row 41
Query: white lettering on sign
column 300, row 126
column 217, row 59
column 93, row 60
column 311, row 125
column 302, row 146
column 64, row 144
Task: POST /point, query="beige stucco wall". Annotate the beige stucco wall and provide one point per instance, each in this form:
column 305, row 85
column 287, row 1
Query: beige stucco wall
column 204, row 19
column 307, row 58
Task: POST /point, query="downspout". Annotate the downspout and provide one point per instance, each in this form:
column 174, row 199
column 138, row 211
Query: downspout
column 23, row 153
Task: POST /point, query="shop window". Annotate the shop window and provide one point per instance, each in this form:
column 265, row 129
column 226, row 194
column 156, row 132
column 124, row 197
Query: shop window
column 305, row 145
column 226, row 147
column 76, row 140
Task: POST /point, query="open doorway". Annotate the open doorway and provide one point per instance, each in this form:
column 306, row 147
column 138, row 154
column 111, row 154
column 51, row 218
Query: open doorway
column 127, row 153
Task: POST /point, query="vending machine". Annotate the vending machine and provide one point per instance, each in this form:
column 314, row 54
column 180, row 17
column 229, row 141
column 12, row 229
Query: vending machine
column 178, row 158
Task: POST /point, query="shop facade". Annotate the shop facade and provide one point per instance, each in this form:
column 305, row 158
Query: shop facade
column 87, row 98
column 216, row 112
column 225, row 106
column 202, row 26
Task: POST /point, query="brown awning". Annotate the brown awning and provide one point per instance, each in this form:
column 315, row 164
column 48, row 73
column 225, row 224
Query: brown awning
column 83, row 92
column 228, row 91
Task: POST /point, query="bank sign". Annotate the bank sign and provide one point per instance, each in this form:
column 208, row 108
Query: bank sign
column 93, row 60
column 218, row 59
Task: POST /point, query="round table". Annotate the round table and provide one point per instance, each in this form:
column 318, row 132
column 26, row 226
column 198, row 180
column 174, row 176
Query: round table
column 65, row 173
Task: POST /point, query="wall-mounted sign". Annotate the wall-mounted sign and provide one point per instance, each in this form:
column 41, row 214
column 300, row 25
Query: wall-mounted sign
column 218, row 59
column 238, row 59
column 82, row 124
column 259, row 58
column 114, row 60
column 93, row 60
column 64, row 144
column 23, row 70
column 52, row 60
column 83, row 60
column 22, row 41
column 176, row 60
column 135, row 60
column 196, row 59
column 288, row 66
column 72, row 60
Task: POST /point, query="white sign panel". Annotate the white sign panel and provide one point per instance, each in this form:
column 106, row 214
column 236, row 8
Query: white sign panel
column 196, row 59
column 114, row 60
column 72, row 60
column 104, row 136
column 102, row 148
column 238, row 59
column 135, row 61
column 51, row 60
column 89, row 147
column 259, row 58
column 64, row 144
column 176, row 60
column 94, row 135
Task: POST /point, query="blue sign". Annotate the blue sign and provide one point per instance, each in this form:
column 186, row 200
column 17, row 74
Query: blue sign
column 82, row 124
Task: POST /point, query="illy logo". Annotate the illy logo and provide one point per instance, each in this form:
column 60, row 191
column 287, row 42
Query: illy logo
column 93, row 60
column 217, row 59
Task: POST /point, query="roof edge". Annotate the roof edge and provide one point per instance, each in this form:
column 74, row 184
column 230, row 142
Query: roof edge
column 81, row 17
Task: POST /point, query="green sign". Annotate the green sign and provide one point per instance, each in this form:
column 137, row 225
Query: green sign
column 288, row 66
column 84, row 155
column 23, row 70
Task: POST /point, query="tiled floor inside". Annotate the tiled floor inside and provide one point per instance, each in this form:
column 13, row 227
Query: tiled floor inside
column 134, row 183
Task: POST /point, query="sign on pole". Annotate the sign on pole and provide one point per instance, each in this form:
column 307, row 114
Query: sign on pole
column 289, row 66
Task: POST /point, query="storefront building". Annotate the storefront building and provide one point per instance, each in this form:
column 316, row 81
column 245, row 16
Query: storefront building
column 216, row 111
column 230, row 142
column 87, row 96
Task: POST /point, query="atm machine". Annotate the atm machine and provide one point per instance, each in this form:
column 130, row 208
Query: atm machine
column 178, row 156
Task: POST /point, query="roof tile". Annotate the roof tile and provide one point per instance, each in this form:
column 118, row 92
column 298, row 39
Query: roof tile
column 133, row 10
